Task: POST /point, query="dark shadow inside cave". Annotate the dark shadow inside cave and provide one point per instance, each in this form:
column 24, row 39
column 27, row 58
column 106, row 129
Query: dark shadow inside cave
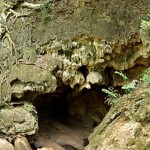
column 88, row 104
column 68, row 118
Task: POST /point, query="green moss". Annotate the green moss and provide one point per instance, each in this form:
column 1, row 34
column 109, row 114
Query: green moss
column 145, row 25
column 46, row 10
column 146, row 77
column 29, row 54
column 131, row 142
column 140, row 144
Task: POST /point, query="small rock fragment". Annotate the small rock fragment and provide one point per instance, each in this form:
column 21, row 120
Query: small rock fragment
column 21, row 143
column 94, row 77
column 5, row 145
column 85, row 85
column 44, row 148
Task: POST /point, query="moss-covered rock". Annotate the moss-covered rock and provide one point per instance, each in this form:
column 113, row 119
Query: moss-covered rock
column 18, row 118
column 126, row 126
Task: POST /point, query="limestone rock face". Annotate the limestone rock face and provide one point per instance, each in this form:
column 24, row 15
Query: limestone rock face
column 47, row 45
column 18, row 118
column 126, row 126
column 94, row 77
column 31, row 78
column 95, row 34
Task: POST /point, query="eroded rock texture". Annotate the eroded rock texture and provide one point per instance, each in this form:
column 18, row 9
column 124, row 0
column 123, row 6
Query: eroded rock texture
column 48, row 45
column 126, row 126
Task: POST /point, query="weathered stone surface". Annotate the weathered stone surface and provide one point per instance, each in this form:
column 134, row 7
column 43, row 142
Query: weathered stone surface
column 47, row 44
column 99, row 35
column 18, row 118
column 5, row 92
column 21, row 143
column 95, row 34
column 126, row 126
column 5, row 145
column 110, row 20
column 31, row 78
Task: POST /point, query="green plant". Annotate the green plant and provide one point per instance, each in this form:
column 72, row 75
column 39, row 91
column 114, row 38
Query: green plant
column 127, row 87
column 130, row 86
column 46, row 10
column 146, row 77
column 145, row 25
column 121, row 74
column 112, row 95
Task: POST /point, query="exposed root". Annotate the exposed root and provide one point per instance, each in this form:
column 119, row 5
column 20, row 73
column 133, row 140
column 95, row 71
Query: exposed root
column 3, row 29
column 12, row 46
column 18, row 15
column 30, row 5
column 8, row 12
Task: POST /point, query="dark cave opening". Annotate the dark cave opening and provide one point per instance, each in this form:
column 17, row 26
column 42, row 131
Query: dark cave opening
column 51, row 105
column 60, row 106
column 67, row 117
column 72, row 115
column 69, row 112
column 83, row 70
column 108, row 72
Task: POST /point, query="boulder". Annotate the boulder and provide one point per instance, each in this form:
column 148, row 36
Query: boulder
column 5, row 145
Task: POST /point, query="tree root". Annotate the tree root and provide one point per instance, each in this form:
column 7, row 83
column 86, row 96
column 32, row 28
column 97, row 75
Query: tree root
column 31, row 6
column 8, row 12
column 18, row 15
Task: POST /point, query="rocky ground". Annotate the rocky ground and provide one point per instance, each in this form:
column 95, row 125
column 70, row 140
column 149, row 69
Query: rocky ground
column 71, row 134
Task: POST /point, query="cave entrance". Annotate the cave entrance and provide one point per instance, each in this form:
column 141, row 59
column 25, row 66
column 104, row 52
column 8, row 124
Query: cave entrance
column 66, row 119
